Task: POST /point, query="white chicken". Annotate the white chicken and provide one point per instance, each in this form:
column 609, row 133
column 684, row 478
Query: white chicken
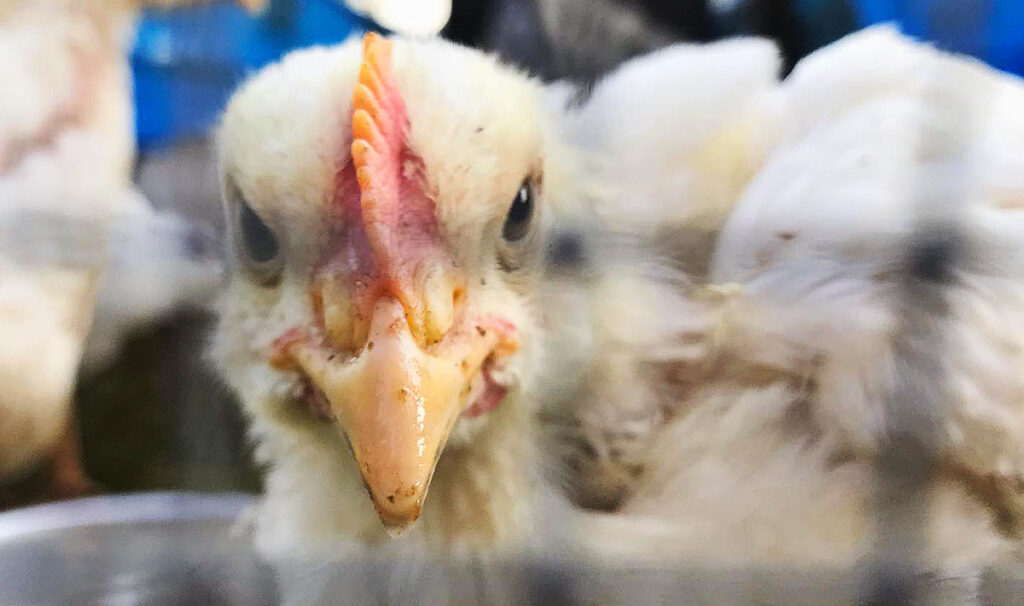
column 664, row 164
column 311, row 333
column 66, row 148
column 157, row 263
column 785, row 362
column 390, row 323
column 352, row 310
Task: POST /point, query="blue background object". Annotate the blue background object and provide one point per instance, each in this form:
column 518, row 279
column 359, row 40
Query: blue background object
column 187, row 61
column 992, row 30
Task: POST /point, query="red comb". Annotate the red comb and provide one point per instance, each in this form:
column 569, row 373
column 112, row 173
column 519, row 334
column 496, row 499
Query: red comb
column 398, row 215
column 379, row 122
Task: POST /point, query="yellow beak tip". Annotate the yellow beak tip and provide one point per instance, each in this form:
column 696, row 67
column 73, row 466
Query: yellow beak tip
column 397, row 512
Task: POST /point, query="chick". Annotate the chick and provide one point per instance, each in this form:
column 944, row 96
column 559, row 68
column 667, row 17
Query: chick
column 65, row 153
column 380, row 325
column 786, row 373
column 427, row 281
column 66, row 148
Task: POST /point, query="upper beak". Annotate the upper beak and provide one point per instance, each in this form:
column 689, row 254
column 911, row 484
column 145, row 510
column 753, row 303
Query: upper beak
column 397, row 403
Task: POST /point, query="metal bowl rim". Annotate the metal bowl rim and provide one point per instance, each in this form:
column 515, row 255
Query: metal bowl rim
column 122, row 510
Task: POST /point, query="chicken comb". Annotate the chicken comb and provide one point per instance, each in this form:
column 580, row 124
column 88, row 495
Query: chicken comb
column 378, row 119
column 397, row 213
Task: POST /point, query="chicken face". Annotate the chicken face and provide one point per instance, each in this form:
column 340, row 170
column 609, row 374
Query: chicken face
column 386, row 212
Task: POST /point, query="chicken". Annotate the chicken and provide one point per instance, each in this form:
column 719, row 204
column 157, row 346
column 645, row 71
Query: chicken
column 387, row 235
column 788, row 359
column 157, row 263
column 699, row 147
column 66, row 148
column 665, row 163
column 437, row 272
column 343, row 290
column 65, row 151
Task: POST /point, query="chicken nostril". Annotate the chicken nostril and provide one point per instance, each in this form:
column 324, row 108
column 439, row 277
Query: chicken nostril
column 337, row 313
column 441, row 297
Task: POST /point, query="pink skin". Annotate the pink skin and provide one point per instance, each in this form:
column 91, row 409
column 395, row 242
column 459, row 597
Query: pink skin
column 490, row 399
column 398, row 215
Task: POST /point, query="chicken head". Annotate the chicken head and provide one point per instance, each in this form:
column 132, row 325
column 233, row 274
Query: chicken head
column 385, row 207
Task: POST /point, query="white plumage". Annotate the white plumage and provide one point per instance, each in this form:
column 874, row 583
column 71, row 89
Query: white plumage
column 716, row 369
column 158, row 263
column 70, row 216
column 793, row 350
column 65, row 152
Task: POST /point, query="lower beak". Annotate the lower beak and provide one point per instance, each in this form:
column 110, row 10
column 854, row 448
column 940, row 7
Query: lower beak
column 397, row 403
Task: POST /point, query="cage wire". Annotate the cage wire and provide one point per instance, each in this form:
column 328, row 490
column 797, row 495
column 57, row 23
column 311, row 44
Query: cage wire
column 201, row 571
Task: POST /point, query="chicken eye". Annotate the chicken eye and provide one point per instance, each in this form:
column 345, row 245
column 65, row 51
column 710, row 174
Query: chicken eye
column 517, row 222
column 260, row 248
column 260, row 242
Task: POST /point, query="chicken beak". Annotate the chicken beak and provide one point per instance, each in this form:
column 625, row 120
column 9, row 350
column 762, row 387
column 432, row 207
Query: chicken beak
column 397, row 403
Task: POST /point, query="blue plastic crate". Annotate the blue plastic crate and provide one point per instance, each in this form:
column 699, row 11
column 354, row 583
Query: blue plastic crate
column 992, row 30
column 187, row 61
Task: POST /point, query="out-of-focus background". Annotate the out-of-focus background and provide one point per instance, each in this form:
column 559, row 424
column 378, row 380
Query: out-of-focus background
column 147, row 413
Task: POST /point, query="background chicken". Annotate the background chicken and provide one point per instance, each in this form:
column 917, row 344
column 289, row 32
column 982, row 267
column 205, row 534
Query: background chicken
column 665, row 162
column 158, row 263
column 65, row 152
column 785, row 365
column 70, row 214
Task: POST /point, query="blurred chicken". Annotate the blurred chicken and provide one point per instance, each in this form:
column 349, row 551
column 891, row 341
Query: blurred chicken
column 157, row 263
column 665, row 163
column 780, row 374
column 66, row 148
column 677, row 159
column 65, row 151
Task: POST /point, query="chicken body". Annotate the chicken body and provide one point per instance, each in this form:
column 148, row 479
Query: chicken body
column 785, row 359
column 72, row 225
column 664, row 163
column 714, row 369
column 65, row 151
